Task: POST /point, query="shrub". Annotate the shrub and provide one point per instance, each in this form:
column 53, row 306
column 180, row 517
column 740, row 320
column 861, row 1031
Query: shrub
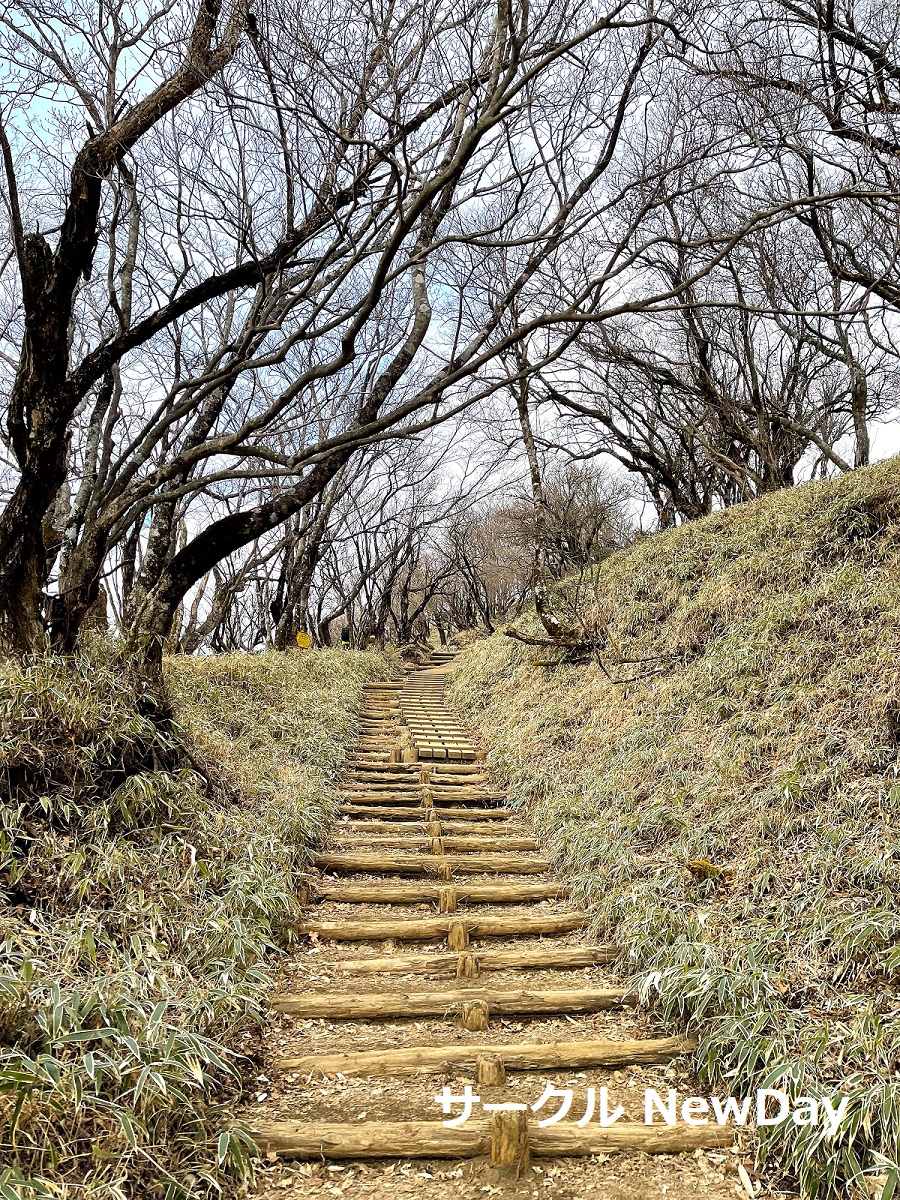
column 149, row 851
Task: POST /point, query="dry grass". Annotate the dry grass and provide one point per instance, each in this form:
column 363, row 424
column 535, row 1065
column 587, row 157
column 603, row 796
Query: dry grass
column 768, row 749
column 149, row 853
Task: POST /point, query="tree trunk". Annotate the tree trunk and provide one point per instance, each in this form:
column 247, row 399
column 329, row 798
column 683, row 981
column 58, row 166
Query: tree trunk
column 39, row 414
column 79, row 588
column 43, row 398
column 298, row 590
column 859, row 406
column 153, row 621
column 542, row 576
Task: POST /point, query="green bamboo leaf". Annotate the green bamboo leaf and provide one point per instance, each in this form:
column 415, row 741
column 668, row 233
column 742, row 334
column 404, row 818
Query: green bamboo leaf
column 127, row 1128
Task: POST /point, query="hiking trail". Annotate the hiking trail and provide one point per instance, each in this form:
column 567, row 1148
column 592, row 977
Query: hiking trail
column 445, row 960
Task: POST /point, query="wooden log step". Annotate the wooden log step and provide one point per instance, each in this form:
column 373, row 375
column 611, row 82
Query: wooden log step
column 401, row 810
column 425, row 928
column 402, row 797
column 452, row 794
column 513, row 824
column 431, row 716
column 467, row 769
column 433, row 724
column 502, row 843
column 477, row 814
column 430, row 1139
column 426, row 864
column 441, row 736
column 462, row 787
column 427, row 813
column 430, row 753
column 383, row 793
column 521, row 1056
column 394, row 770
column 412, row 797
column 406, row 789
column 408, row 793
column 427, row 1004
column 420, row 826
column 438, row 731
column 413, row 893
column 562, row 1141
column 538, row 958
column 363, row 771
column 383, row 783
column 395, row 1139
column 449, row 751
column 466, row 796
column 386, row 783
column 377, row 809
column 362, row 825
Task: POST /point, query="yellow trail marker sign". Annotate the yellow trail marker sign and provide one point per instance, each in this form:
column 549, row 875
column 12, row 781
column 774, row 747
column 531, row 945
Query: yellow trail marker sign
column 304, row 641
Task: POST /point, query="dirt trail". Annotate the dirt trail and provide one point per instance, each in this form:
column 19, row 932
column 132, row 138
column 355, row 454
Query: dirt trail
column 443, row 955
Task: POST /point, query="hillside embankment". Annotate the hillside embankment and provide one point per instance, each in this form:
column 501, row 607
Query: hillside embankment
column 720, row 784
column 151, row 841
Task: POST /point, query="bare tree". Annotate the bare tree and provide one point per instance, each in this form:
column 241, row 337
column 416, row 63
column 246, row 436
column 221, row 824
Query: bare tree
column 292, row 237
column 241, row 326
column 45, row 391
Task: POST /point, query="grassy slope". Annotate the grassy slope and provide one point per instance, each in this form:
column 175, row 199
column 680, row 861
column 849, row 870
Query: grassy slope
column 767, row 746
column 148, row 861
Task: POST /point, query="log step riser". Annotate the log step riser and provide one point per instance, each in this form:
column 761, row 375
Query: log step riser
column 417, row 893
column 423, row 1004
column 431, row 1060
column 436, row 927
column 409, row 865
column 472, row 965
column 428, row 1139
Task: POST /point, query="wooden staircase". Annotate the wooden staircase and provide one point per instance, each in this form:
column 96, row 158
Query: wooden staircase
column 434, row 831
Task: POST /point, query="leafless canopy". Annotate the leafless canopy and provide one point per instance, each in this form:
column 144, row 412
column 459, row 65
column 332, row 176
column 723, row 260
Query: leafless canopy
column 247, row 248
